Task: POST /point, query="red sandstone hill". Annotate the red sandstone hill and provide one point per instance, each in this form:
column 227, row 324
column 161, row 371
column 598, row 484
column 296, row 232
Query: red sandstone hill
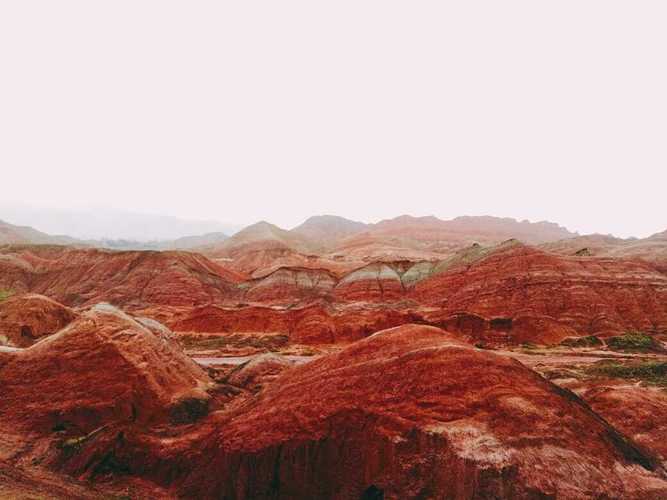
column 24, row 319
column 590, row 295
column 104, row 368
column 133, row 279
column 413, row 413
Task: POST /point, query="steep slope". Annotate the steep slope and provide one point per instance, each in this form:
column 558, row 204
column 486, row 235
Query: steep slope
column 413, row 413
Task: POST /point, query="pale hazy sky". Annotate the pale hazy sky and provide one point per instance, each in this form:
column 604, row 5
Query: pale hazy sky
column 248, row 110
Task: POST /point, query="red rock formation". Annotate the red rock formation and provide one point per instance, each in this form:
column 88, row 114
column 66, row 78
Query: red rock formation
column 132, row 279
column 589, row 295
column 314, row 324
column 104, row 368
column 500, row 331
column 289, row 285
column 24, row 319
column 375, row 282
column 412, row 413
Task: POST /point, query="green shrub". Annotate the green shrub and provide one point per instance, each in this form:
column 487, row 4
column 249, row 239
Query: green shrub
column 632, row 341
column 5, row 294
column 653, row 372
column 589, row 341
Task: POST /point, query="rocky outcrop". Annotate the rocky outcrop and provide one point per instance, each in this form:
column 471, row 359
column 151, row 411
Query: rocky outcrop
column 413, row 413
column 24, row 319
column 375, row 282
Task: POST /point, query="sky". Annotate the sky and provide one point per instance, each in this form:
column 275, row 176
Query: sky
column 264, row 110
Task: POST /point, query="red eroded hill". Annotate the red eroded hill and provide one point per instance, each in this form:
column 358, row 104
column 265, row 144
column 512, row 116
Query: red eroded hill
column 104, row 368
column 132, row 279
column 24, row 319
column 413, row 413
column 590, row 295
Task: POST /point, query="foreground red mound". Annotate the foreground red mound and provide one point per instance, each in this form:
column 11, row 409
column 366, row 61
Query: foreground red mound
column 103, row 368
column 413, row 413
column 24, row 319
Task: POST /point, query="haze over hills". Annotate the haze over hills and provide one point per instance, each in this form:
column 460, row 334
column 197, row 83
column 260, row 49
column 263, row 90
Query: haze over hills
column 110, row 224
column 10, row 234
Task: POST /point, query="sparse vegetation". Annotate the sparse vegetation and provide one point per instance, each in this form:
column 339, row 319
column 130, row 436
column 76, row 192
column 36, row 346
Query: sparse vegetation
column 234, row 340
column 588, row 341
column 5, row 294
column 652, row 372
column 633, row 342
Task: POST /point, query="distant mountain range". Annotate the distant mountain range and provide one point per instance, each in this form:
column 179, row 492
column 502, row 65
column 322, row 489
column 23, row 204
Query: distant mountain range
column 25, row 235
column 330, row 237
column 108, row 224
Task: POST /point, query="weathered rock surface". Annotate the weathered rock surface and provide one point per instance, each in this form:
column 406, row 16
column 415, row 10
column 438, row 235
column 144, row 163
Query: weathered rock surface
column 413, row 413
column 24, row 319
column 637, row 411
